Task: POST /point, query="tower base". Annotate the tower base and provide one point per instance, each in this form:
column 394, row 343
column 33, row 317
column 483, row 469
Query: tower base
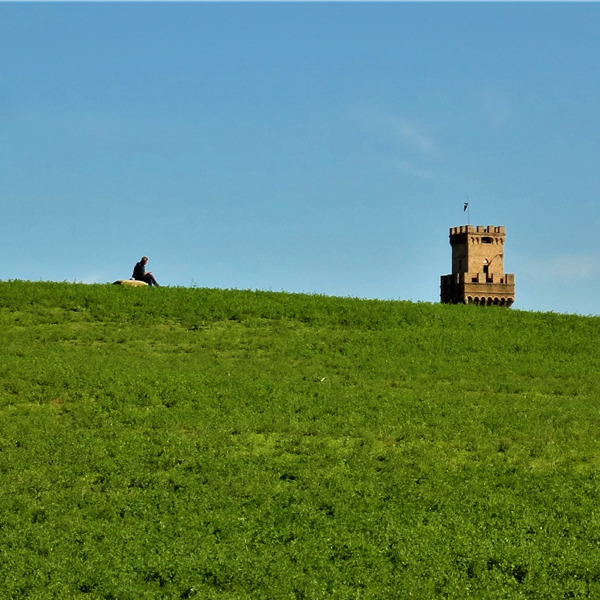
column 477, row 288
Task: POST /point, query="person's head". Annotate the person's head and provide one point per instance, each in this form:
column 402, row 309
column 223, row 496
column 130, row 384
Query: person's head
column 144, row 260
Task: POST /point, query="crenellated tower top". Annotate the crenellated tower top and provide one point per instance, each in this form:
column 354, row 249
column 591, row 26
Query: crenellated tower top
column 498, row 229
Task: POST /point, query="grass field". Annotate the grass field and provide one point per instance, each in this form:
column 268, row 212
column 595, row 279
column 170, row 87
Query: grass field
column 196, row 443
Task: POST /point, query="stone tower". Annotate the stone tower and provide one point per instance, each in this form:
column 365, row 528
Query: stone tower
column 478, row 268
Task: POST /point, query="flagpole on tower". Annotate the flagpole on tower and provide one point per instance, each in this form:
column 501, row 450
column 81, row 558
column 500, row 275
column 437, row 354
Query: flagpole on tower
column 466, row 209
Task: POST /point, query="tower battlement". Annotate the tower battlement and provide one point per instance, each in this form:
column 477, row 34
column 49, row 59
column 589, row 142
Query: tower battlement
column 494, row 229
column 478, row 267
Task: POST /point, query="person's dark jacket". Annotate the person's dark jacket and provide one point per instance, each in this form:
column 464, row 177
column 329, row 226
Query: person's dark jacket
column 139, row 271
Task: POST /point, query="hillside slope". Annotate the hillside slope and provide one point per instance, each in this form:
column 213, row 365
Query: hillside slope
column 197, row 443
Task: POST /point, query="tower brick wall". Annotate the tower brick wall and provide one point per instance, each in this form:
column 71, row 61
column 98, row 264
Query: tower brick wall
column 478, row 267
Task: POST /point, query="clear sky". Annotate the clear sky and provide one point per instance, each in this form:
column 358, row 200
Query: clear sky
column 306, row 147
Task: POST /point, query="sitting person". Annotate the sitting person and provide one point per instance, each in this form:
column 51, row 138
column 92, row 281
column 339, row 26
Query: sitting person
column 139, row 272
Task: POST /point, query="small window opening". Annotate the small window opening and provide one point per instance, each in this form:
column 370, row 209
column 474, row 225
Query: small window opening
column 486, row 240
column 486, row 270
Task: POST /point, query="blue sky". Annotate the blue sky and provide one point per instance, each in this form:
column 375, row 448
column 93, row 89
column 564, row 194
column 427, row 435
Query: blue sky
column 307, row 147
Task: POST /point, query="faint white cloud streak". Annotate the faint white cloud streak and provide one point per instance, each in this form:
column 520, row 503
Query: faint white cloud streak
column 409, row 167
column 409, row 134
column 567, row 268
column 574, row 266
column 406, row 142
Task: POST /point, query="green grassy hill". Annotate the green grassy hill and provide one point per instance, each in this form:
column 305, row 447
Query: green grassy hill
column 196, row 443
